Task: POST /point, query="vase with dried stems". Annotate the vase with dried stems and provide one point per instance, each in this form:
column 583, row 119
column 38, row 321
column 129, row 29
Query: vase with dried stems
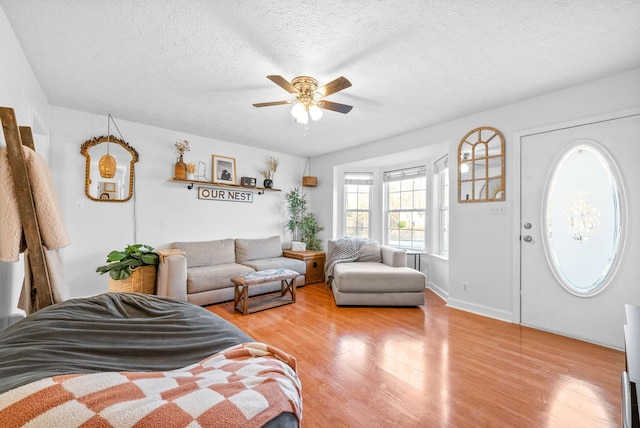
column 269, row 172
column 180, row 168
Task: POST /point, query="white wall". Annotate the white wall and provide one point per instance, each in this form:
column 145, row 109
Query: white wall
column 20, row 90
column 161, row 211
column 482, row 245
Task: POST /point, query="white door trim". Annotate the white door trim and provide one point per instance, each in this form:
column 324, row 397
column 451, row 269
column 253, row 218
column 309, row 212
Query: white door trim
column 515, row 170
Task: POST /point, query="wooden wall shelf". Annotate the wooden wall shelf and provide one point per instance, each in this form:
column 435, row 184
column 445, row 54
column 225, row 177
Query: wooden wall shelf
column 191, row 183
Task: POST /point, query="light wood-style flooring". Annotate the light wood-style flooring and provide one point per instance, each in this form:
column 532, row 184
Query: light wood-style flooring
column 433, row 366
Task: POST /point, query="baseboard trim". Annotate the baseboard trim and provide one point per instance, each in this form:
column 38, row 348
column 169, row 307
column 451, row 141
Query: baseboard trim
column 443, row 294
column 480, row 310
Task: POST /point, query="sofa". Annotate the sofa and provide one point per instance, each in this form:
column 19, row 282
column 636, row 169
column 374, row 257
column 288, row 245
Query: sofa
column 361, row 272
column 200, row 272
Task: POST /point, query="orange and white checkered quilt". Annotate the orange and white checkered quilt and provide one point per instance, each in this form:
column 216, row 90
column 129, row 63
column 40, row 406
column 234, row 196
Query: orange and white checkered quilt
column 246, row 385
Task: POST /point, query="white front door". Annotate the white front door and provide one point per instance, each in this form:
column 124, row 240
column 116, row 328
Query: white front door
column 574, row 245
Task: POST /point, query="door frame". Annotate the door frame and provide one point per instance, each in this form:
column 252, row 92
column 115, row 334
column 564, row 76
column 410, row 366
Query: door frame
column 515, row 171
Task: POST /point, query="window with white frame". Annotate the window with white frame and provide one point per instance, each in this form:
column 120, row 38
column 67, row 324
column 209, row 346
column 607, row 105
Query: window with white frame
column 441, row 179
column 357, row 204
column 405, row 207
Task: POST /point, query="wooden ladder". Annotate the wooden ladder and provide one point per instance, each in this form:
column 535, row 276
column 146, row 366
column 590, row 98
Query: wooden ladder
column 15, row 137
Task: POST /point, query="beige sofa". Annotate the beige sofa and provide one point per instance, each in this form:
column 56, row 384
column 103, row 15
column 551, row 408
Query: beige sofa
column 370, row 274
column 201, row 272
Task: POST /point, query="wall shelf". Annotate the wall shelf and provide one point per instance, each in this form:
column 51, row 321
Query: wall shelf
column 191, row 183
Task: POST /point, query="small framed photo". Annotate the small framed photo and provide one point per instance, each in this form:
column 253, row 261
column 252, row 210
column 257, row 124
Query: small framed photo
column 224, row 169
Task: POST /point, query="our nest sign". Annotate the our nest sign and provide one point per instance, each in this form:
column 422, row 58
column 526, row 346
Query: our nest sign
column 230, row 195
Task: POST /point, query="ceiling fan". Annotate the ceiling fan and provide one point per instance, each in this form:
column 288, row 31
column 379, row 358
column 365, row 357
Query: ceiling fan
column 309, row 100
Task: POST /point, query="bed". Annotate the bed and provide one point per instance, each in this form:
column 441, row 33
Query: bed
column 127, row 359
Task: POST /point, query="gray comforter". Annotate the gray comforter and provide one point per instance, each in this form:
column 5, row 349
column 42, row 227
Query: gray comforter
column 115, row 332
column 111, row 332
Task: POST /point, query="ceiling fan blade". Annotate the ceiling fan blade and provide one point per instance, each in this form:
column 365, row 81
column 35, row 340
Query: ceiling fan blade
column 340, row 108
column 334, row 86
column 283, row 83
column 272, row 103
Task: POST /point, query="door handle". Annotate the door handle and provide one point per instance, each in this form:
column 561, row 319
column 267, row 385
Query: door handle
column 527, row 238
column 527, row 225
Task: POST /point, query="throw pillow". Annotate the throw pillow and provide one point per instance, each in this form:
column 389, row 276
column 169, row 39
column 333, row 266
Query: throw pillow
column 369, row 251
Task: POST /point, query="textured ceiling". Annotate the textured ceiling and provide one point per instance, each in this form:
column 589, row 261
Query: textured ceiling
column 197, row 66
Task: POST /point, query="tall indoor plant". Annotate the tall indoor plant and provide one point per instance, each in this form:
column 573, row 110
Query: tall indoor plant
column 303, row 224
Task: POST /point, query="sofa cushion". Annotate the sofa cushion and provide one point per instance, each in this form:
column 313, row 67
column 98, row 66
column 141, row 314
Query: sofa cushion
column 207, row 253
column 207, row 278
column 369, row 277
column 369, row 251
column 278, row 263
column 256, row 249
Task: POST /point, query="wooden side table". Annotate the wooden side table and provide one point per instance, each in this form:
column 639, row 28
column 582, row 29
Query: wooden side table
column 314, row 261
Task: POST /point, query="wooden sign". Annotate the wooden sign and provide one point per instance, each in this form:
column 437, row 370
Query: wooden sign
column 230, row 195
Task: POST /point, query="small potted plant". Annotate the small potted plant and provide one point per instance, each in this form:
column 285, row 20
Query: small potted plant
column 132, row 270
column 269, row 172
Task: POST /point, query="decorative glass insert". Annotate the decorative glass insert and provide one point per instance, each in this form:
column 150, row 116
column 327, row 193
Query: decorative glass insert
column 583, row 218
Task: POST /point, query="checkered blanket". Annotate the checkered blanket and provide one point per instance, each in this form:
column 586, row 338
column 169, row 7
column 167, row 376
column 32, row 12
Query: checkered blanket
column 246, row 385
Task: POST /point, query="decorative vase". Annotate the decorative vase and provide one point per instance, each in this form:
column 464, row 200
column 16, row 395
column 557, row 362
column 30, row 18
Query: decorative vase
column 268, row 183
column 180, row 169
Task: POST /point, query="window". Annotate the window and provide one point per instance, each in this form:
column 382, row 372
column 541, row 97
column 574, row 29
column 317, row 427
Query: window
column 357, row 203
column 441, row 173
column 406, row 203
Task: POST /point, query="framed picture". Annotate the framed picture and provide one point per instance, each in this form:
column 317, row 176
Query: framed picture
column 109, row 187
column 224, row 169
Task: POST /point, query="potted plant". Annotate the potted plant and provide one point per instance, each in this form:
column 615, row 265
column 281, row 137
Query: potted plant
column 133, row 269
column 302, row 224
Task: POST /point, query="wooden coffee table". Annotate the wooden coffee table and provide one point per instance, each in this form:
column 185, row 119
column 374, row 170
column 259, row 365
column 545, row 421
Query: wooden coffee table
column 287, row 278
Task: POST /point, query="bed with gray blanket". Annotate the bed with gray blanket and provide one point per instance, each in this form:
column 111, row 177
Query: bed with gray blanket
column 124, row 359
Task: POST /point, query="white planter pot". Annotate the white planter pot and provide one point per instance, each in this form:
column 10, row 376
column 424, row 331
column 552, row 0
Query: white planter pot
column 298, row 246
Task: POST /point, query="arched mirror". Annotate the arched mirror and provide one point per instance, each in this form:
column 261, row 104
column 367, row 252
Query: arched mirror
column 481, row 166
column 109, row 171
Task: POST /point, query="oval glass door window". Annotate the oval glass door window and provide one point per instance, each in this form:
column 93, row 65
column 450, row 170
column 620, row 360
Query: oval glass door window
column 583, row 219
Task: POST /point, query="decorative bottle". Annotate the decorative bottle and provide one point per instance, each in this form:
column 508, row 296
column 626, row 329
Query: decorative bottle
column 180, row 170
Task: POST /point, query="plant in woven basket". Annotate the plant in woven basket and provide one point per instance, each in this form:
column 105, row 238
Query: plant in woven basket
column 121, row 263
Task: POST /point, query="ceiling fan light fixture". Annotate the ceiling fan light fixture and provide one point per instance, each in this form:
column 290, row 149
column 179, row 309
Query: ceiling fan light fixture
column 309, row 98
column 297, row 110
column 303, row 117
column 315, row 112
column 464, row 166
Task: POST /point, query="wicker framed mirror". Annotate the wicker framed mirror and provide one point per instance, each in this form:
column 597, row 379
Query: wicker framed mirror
column 109, row 170
column 481, row 166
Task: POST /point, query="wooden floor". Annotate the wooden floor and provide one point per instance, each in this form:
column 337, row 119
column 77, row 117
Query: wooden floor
column 434, row 366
